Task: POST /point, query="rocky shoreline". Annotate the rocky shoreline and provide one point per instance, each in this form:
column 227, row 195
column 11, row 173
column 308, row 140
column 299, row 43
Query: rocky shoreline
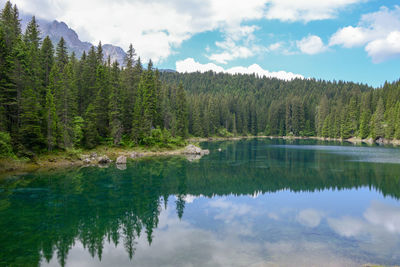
column 102, row 159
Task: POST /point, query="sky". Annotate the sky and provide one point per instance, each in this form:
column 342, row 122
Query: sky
column 350, row 40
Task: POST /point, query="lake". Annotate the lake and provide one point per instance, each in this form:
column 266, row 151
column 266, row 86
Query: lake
column 255, row 203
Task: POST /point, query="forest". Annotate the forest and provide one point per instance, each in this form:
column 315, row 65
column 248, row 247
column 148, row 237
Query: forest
column 224, row 104
column 51, row 100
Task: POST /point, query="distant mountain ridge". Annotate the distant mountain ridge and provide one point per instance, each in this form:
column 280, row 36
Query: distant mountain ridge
column 55, row 30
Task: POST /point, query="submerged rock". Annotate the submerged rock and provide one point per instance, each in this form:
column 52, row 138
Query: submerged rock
column 121, row 160
column 193, row 157
column 121, row 167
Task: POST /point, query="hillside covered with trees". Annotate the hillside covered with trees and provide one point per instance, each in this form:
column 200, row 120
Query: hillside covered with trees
column 51, row 100
column 247, row 104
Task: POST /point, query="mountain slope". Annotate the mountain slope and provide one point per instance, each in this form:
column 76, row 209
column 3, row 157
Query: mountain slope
column 55, row 30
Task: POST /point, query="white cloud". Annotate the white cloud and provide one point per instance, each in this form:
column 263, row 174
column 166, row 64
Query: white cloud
column 190, row 65
column 378, row 32
column 311, row 45
column 294, row 10
column 382, row 49
column 156, row 28
column 240, row 42
column 275, row 46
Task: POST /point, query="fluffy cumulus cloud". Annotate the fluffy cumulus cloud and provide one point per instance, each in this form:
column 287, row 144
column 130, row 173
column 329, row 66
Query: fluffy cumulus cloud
column 157, row 28
column 379, row 32
column 190, row 65
column 239, row 43
column 311, row 45
column 294, row 10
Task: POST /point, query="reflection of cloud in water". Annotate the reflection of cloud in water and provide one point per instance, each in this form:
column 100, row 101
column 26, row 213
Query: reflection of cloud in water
column 191, row 198
column 384, row 216
column 347, row 226
column 379, row 219
column 273, row 215
column 309, row 217
column 227, row 210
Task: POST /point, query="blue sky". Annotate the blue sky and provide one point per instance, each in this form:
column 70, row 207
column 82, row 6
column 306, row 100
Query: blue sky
column 352, row 40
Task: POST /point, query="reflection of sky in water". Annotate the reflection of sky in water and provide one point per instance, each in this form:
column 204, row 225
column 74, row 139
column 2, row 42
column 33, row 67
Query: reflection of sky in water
column 255, row 203
column 355, row 153
column 328, row 228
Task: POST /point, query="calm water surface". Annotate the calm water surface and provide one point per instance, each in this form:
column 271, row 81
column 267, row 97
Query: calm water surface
column 256, row 203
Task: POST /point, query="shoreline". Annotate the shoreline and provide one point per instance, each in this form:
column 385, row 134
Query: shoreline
column 353, row 140
column 61, row 160
column 66, row 159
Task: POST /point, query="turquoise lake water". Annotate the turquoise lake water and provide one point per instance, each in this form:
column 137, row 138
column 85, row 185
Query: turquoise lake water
column 255, row 203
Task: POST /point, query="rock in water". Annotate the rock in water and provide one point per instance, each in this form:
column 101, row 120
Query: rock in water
column 121, row 160
column 103, row 160
column 192, row 149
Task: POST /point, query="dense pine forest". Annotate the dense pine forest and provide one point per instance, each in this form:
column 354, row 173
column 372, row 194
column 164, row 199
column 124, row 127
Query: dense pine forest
column 224, row 104
column 51, row 100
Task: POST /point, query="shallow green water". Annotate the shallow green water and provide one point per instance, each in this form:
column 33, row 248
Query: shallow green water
column 256, row 203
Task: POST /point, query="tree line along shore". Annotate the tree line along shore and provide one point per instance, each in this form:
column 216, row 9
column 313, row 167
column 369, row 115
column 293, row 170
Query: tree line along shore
column 52, row 102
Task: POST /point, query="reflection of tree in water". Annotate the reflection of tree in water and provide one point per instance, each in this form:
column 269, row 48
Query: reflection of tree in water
column 47, row 213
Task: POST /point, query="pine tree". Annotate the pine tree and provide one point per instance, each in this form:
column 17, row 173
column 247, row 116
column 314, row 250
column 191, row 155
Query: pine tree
column 181, row 113
column 144, row 107
column 10, row 21
column 46, row 60
column 12, row 72
column 100, row 54
column 51, row 121
column 197, row 128
column 30, row 130
column 116, row 126
column 101, row 102
column 61, row 54
column 378, row 120
column 6, row 86
column 91, row 135
column 32, row 43
column 130, row 78
column 322, row 112
column 397, row 122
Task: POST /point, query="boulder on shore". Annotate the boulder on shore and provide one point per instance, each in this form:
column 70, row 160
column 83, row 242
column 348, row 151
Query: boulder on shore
column 121, row 160
column 87, row 161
